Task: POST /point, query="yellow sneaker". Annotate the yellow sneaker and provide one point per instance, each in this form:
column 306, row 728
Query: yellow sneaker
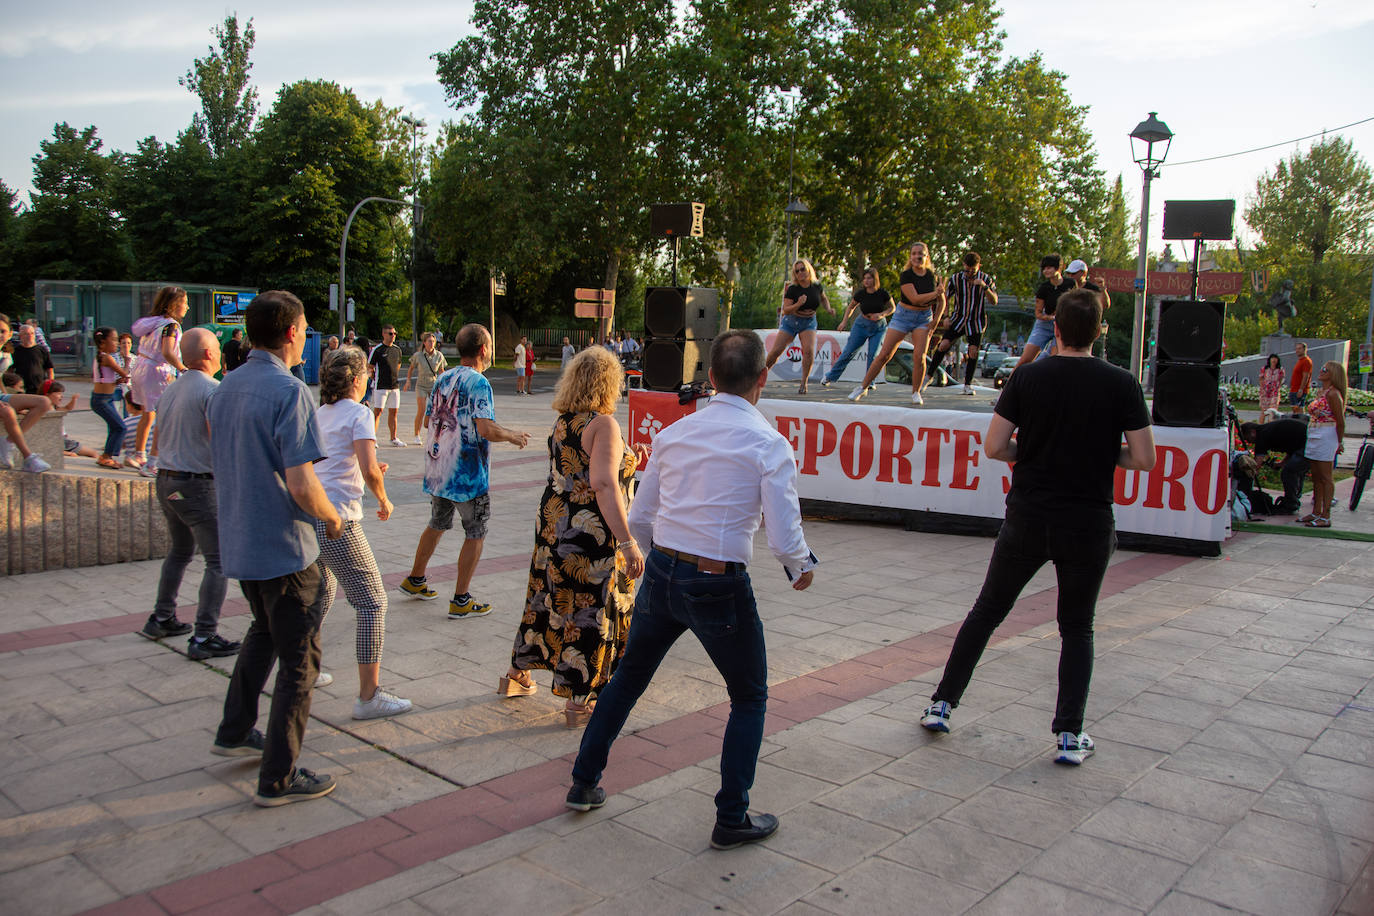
column 421, row 591
column 468, row 607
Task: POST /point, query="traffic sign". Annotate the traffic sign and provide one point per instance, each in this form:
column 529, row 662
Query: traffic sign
column 594, row 303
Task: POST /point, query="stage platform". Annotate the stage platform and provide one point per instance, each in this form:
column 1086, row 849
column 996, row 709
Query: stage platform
column 890, row 394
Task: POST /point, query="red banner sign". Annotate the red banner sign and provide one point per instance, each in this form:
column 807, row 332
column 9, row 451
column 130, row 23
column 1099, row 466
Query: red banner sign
column 1210, row 283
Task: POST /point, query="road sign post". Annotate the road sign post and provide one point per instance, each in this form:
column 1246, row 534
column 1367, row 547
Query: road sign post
column 598, row 304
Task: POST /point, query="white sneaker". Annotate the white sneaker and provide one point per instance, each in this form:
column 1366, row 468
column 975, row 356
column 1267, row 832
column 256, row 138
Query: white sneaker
column 35, row 465
column 1071, row 749
column 968, row 390
column 917, row 399
column 134, row 461
column 324, row 679
column 149, row 469
column 419, row 441
column 858, row 393
column 397, row 443
column 381, row 704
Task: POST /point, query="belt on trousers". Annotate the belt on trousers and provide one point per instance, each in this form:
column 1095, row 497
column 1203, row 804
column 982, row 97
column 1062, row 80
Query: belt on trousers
column 703, row 564
column 184, row 475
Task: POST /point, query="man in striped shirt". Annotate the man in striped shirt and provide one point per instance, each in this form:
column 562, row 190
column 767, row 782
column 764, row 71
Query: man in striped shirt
column 969, row 293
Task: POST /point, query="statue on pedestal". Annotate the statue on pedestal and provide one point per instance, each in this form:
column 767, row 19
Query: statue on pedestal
column 1282, row 303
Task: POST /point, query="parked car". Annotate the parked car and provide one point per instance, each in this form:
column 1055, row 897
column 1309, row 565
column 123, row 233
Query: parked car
column 991, row 360
column 999, row 378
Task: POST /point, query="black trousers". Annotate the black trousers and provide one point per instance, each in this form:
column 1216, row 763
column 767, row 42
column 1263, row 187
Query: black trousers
column 286, row 629
column 1080, row 550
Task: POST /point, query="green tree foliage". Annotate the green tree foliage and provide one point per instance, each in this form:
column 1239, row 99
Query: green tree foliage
column 315, row 155
column 16, row 289
column 1314, row 214
column 72, row 230
column 1115, row 246
column 227, row 103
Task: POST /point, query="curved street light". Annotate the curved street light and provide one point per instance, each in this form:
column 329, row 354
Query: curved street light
column 1144, row 138
column 343, row 250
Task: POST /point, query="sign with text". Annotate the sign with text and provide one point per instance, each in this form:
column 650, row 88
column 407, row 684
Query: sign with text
column 933, row 461
column 1210, row 283
column 229, row 307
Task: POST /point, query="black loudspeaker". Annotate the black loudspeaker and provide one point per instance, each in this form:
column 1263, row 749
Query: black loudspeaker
column 1199, row 219
column 1186, row 395
column 679, row 324
column 679, row 220
column 1187, row 363
column 1190, row 331
column 668, row 363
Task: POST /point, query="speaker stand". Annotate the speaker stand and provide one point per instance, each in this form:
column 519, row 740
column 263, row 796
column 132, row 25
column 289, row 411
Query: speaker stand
column 675, row 244
column 1197, row 257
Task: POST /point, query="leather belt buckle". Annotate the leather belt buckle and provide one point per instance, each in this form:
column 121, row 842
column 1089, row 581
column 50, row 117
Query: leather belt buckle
column 716, row 567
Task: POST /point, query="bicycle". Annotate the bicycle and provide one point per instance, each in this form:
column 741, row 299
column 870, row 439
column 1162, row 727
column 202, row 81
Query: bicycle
column 1364, row 462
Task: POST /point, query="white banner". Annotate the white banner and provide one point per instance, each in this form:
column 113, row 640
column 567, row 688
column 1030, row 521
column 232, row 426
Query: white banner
column 933, row 461
column 829, row 346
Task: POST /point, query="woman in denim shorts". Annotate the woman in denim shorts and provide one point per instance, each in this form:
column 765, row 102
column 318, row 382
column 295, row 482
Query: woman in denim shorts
column 922, row 303
column 800, row 300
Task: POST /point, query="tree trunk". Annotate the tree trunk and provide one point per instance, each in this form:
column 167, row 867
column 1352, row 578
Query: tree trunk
column 605, row 325
column 731, row 270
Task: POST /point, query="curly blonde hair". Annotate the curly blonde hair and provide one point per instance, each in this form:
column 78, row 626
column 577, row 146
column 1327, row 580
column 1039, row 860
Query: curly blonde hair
column 591, row 382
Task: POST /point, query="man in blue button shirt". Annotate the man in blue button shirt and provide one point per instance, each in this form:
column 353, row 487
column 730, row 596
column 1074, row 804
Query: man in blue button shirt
column 265, row 442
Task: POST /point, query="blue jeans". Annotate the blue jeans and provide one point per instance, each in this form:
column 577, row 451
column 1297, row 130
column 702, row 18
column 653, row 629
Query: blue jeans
column 720, row 611
column 103, row 406
column 1080, row 550
column 864, row 329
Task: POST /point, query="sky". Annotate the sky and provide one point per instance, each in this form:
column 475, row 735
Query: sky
column 1225, row 76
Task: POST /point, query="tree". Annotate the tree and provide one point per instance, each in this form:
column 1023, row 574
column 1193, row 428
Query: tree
column 227, row 103
column 72, row 229
column 1315, row 217
column 576, row 85
column 1115, row 247
column 16, row 286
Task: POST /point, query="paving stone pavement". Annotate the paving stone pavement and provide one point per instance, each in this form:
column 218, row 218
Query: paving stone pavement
column 1232, row 706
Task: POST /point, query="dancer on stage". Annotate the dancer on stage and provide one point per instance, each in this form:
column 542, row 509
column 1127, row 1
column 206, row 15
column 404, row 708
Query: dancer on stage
column 873, row 305
column 1068, row 415
column 1046, row 298
column 923, row 302
column 970, row 292
column 800, row 300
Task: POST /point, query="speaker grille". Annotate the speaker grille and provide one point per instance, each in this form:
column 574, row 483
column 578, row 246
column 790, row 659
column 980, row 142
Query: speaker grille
column 665, row 311
column 667, row 364
column 1186, row 395
column 1190, row 332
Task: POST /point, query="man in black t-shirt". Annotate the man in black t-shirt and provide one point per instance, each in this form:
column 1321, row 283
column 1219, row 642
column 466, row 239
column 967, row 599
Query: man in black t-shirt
column 1068, row 414
column 31, row 362
column 969, row 293
column 233, row 355
column 386, row 375
column 1290, row 437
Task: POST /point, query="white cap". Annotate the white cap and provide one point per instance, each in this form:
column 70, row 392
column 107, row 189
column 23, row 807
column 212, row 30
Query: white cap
column 1076, row 266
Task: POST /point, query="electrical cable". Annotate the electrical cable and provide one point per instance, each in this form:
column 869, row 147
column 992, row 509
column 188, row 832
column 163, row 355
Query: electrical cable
column 1270, row 146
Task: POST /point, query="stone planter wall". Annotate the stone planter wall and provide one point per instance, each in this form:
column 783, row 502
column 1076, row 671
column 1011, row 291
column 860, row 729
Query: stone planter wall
column 57, row 520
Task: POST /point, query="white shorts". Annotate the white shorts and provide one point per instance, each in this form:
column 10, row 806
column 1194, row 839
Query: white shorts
column 385, row 397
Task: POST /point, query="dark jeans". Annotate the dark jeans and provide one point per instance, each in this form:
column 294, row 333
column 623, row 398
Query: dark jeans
column 192, row 521
column 1080, row 551
column 863, row 330
column 285, row 630
column 720, row 611
column 103, row 406
column 1293, row 470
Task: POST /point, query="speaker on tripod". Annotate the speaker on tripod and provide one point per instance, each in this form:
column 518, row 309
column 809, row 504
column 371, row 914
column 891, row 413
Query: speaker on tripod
column 679, row 325
column 1188, row 363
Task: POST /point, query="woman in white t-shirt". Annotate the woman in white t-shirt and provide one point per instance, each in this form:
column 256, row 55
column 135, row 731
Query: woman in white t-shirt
column 350, row 444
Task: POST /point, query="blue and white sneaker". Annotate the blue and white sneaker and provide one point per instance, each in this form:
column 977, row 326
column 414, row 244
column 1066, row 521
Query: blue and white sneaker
column 1071, row 749
column 936, row 717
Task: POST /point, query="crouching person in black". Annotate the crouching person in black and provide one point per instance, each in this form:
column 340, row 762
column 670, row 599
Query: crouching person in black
column 1289, row 437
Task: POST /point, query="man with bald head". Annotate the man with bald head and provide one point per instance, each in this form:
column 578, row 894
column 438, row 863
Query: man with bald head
column 186, row 492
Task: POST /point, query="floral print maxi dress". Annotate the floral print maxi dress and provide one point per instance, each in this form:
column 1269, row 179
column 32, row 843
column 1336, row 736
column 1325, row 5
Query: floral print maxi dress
column 579, row 600
column 1270, row 380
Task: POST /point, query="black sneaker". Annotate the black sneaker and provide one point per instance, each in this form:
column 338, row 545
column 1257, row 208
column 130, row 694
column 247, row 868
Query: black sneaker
column 160, row 629
column 585, row 798
column 755, row 827
column 250, row 746
column 304, row 786
column 214, row 647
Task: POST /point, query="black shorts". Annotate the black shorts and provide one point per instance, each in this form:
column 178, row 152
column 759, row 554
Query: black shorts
column 951, row 334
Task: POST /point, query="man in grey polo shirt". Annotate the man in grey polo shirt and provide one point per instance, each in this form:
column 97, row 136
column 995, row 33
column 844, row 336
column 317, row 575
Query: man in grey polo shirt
column 186, row 492
column 265, row 443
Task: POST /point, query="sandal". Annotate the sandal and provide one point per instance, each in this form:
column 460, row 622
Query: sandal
column 1306, row 519
column 576, row 715
column 519, row 686
column 105, row 461
column 1319, row 523
column 801, row 390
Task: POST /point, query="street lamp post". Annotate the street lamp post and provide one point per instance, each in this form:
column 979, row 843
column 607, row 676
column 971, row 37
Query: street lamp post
column 415, row 125
column 343, row 252
column 794, row 207
column 1146, row 135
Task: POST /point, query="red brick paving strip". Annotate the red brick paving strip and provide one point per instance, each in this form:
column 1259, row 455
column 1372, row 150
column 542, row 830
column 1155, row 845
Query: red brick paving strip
column 312, row 871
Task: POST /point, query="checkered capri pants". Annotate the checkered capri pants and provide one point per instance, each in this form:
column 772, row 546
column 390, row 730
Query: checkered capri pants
column 350, row 560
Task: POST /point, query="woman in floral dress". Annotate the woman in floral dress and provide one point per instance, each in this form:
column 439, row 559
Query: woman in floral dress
column 581, row 586
column 1270, row 378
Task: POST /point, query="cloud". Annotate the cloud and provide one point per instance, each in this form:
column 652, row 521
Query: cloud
column 92, row 97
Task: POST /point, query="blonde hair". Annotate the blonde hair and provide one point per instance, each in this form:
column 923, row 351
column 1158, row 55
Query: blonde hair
column 925, row 256
column 591, row 382
column 1338, row 377
column 810, row 270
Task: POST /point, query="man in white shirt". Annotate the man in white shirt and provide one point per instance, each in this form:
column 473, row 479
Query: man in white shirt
column 710, row 477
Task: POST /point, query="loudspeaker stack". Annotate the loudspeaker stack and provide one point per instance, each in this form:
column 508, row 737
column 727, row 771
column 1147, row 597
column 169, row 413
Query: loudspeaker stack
column 679, row 324
column 1188, row 363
